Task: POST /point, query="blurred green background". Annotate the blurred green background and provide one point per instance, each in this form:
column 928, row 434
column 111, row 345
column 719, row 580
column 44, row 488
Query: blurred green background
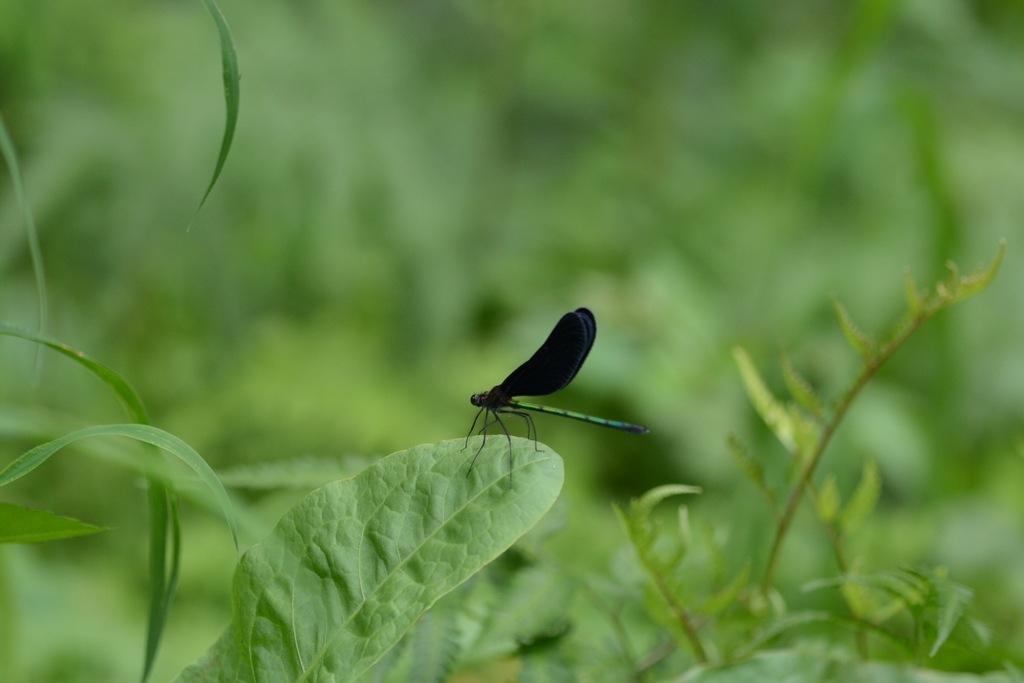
column 418, row 190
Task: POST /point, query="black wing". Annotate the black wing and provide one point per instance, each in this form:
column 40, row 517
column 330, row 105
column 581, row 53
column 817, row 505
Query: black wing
column 558, row 359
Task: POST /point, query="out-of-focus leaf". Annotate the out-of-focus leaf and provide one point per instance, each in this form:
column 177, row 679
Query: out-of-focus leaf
column 863, row 500
column 145, row 433
column 24, row 525
column 859, row 340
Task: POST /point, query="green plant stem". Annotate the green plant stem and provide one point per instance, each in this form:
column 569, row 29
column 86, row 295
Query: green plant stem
column 871, row 367
column 681, row 616
column 836, row 537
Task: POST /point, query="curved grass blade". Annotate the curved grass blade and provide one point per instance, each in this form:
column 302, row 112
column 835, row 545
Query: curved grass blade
column 118, row 384
column 161, row 500
column 232, row 96
column 31, row 235
column 145, row 433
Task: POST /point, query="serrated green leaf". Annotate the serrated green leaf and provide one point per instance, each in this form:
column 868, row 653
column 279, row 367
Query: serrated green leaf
column 951, row 600
column 914, row 302
column 350, row 568
column 685, row 530
column 773, row 413
column 748, row 466
column 946, row 289
column 828, row 500
column 865, row 497
column 806, row 431
column 980, row 279
column 859, row 340
column 800, row 389
column 751, row 468
column 908, row 590
column 20, row 524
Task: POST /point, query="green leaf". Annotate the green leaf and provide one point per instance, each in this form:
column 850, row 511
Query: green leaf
column 774, row 414
column 828, row 500
column 642, row 506
column 914, row 302
column 801, row 389
column 951, row 600
column 350, row 568
column 306, row 472
column 145, row 433
column 748, row 466
column 863, row 500
column 24, row 525
column 637, row 520
column 232, row 94
column 10, row 155
column 980, row 279
column 726, row 597
column 114, row 381
column 859, row 340
column 813, row 663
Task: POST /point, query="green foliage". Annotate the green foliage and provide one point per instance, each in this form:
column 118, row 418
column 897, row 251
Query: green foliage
column 414, row 189
column 164, row 523
column 232, row 94
column 356, row 563
column 19, row 524
column 812, row 664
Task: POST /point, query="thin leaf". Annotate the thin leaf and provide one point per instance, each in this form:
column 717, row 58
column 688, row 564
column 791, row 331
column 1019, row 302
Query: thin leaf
column 914, row 302
column 773, row 413
column 980, row 279
column 145, row 433
column 163, row 505
column 20, row 524
column 10, row 155
column 801, row 389
column 118, row 384
column 952, row 600
column 643, row 505
column 828, row 500
column 161, row 593
column 859, row 340
column 751, row 468
column 232, row 95
column 865, row 497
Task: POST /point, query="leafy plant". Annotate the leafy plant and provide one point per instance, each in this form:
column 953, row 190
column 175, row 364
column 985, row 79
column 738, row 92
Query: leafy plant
column 350, row 569
column 805, row 425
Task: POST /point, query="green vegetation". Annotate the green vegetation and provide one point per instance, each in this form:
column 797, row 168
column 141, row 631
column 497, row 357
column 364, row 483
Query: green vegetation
column 291, row 239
